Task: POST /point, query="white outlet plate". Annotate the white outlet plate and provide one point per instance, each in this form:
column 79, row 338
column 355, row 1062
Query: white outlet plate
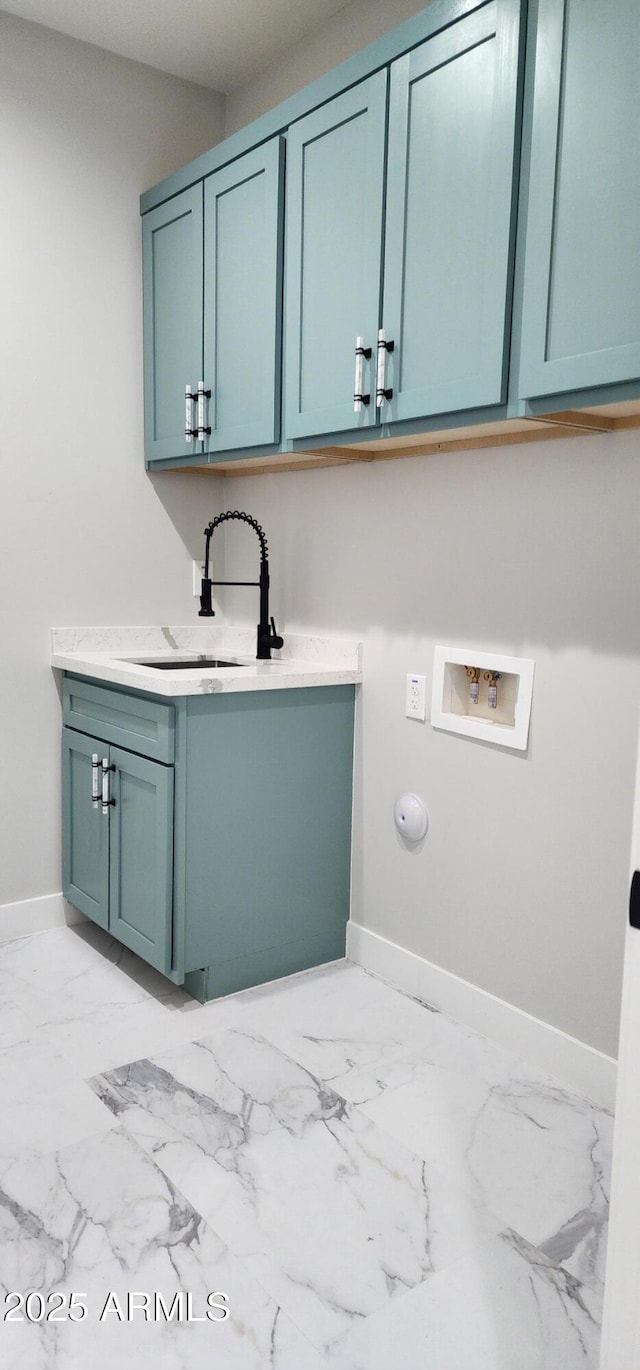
column 416, row 697
column 197, row 571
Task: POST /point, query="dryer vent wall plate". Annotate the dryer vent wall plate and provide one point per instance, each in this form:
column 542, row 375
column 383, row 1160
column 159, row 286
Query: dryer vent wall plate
column 482, row 694
column 410, row 817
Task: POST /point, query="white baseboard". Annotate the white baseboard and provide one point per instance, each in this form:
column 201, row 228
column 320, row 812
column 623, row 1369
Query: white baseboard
column 36, row 915
column 579, row 1067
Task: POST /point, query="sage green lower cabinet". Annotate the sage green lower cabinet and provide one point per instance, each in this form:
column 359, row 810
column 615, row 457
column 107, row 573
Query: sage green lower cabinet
column 85, row 834
column 141, row 856
column 118, row 866
column 226, row 862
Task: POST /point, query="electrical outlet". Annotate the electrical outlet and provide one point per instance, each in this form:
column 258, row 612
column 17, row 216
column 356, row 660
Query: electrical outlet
column 416, row 697
column 197, row 569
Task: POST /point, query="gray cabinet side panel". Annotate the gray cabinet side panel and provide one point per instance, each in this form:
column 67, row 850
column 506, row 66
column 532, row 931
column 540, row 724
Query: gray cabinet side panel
column 269, row 782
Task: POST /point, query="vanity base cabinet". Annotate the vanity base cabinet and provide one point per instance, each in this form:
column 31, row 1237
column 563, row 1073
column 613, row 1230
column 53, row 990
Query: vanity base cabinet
column 224, row 857
column 267, row 834
column 85, row 832
column 118, row 864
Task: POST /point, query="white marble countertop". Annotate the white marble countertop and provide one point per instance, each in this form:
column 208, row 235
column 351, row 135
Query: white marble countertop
column 110, row 654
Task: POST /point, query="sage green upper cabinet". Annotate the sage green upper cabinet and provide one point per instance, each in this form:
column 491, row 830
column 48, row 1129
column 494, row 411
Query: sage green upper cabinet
column 581, row 303
column 172, row 306
column 437, row 235
column 212, row 272
column 243, row 206
column 335, row 185
column 452, row 122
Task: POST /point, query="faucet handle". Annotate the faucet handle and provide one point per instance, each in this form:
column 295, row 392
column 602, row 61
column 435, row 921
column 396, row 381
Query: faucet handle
column 206, row 609
column 276, row 640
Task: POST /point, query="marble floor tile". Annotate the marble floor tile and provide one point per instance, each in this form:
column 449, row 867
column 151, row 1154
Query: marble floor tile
column 15, row 1025
column 109, row 1036
column 329, row 1213
column 61, row 978
column 43, row 1102
column 379, row 1184
column 113, row 953
column 503, row 1307
column 537, row 1155
column 337, row 1020
column 100, row 1219
column 67, row 991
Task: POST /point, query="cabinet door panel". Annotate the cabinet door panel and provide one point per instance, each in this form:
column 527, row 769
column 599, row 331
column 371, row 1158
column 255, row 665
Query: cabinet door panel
column 141, row 857
column 85, row 846
column 243, row 298
column 335, row 170
column 172, row 291
column 581, row 310
column 449, row 232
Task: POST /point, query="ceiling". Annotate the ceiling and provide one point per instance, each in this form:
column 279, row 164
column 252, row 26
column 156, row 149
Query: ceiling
column 216, row 43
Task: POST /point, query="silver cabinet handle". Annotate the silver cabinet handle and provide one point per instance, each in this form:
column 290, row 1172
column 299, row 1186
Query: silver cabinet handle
column 107, row 803
column 95, row 779
column 359, row 399
column 189, row 400
column 203, row 395
column 382, row 391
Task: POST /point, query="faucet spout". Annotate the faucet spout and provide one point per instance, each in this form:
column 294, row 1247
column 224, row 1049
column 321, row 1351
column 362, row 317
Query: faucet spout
column 267, row 637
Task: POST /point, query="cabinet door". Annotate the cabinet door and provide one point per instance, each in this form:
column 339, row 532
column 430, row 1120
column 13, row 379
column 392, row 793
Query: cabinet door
column 85, row 830
column 452, row 124
column 581, row 312
column 335, row 170
column 172, row 304
column 141, row 857
column 243, row 207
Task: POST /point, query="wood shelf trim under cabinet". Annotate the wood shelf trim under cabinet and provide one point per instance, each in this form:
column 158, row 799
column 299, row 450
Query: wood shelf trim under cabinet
column 542, row 428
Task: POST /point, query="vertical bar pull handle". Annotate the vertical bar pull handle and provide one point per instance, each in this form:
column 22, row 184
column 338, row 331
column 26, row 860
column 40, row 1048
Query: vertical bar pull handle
column 382, row 391
column 189, row 399
column 107, row 803
column 359, row 399
column 95, row 779
column 634, row 901
column 203, row 395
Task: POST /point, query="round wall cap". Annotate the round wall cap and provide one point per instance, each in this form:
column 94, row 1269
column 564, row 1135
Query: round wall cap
column 410, row 817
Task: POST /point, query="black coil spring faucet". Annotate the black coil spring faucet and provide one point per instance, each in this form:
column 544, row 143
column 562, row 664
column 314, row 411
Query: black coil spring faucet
column 267, row 635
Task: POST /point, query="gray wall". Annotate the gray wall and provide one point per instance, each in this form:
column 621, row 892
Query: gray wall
column 85, row 536
column 356, row 25
column 521, row 885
